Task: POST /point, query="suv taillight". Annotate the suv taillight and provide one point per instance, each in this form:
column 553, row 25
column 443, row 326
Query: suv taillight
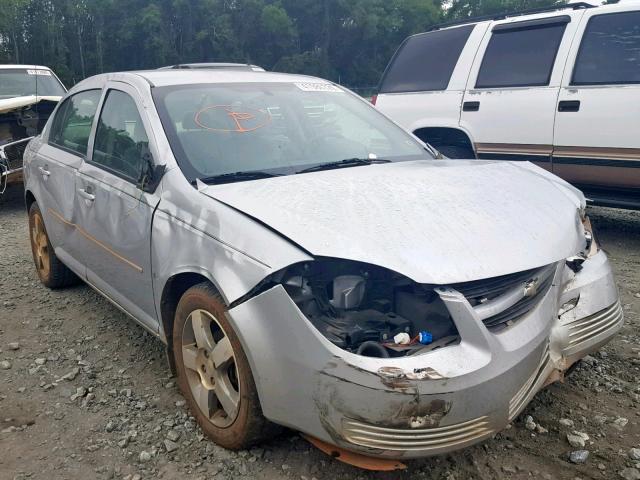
column 374, row 99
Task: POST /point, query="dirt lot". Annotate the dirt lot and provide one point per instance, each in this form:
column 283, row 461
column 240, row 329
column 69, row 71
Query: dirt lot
column 86, row 393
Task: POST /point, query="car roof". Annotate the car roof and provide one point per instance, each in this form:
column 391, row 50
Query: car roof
column 9, row 66
column 169, row 77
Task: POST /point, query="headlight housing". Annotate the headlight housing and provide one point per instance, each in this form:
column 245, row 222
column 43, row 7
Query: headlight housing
column 362, row 308
column 592, row 246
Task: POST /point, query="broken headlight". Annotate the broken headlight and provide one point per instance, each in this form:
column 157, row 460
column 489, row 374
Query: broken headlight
column 592, row 247
column 361, row 308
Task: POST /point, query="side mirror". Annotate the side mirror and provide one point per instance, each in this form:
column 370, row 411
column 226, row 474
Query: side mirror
column 150, row 174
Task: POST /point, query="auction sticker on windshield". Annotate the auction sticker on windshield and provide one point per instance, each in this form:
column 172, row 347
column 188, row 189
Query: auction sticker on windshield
column 318, row 87
column 46, row 73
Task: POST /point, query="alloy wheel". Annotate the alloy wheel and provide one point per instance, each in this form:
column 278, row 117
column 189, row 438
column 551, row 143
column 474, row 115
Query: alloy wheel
column 210, row 367
column 40, row 246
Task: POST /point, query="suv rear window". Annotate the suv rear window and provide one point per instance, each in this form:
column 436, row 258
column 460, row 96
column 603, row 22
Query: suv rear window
column 610, row 50
column 521, row 54
column 425, row 61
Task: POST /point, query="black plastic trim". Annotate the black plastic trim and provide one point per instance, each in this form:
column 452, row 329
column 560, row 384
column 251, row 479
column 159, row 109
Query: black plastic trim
column 517, row 13
column 530, row 24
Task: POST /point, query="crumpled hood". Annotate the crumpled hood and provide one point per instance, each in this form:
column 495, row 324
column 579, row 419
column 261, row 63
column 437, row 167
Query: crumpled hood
column 8, row 104
column 436, row 222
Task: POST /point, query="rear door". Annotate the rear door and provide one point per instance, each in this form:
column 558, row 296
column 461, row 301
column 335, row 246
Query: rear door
column 113, row 212
column 510, row 101
column 597, row 145
column 56, row 163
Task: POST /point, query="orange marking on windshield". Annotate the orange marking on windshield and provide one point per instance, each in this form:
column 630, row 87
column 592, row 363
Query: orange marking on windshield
column 239, row 119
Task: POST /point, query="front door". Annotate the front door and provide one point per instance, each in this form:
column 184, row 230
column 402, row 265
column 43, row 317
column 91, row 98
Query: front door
column 114, row 213
column 597, row 145
column 510, row 100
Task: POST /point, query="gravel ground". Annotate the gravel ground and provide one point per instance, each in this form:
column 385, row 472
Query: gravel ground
column 86, row 393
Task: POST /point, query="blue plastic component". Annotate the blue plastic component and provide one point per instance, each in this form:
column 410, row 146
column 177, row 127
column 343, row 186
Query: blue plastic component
column 425, row 338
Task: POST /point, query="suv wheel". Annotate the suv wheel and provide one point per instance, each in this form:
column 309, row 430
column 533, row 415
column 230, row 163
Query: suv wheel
column 51, row 271
column 213, row 371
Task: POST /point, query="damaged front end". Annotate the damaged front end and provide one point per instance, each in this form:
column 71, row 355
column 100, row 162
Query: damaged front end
column 20, row 121
column 370, row 311
column 364, row 358
column 28, row 96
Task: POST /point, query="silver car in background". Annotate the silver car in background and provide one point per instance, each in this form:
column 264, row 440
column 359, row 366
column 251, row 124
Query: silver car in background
column 309, row 264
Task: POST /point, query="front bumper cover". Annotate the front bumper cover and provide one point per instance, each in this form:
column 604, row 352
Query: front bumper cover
column 11, row 163
column 431, row 403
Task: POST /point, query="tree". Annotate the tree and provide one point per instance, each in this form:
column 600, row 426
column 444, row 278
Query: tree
column 11, row 27
column 349, row 41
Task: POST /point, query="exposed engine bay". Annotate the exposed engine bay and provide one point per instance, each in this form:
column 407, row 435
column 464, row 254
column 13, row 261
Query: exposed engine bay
column 371, row 311
column 366, row 309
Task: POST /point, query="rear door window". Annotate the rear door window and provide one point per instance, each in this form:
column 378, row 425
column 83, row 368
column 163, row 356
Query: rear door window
column 521, row 54
column 426, row 61
column 610, row 50
column 71, row 126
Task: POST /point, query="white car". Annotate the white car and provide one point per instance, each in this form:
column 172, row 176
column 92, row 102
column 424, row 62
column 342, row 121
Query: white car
column 28, row 95
column 559, row 87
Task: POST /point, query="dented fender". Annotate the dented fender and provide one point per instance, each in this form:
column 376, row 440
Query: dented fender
column 224, row 246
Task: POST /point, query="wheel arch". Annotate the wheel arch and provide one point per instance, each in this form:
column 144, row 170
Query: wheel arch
column 172, row 291
column 29, row 199
column 438, row 136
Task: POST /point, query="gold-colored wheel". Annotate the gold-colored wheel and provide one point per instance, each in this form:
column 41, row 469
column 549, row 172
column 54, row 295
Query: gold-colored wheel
column 51, row 271
column 40, row 246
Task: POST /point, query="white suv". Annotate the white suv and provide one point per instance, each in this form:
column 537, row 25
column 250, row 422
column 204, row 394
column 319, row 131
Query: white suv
column 558, row 87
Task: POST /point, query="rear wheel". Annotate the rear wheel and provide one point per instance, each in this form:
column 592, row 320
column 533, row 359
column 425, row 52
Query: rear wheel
column 213, row 371
column 51, row 271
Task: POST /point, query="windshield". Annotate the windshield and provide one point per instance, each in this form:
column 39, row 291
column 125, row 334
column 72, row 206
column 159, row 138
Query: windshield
column 21, row 82
column 280, row 128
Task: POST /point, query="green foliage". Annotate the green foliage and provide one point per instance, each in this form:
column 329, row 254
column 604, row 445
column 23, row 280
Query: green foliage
column 349, row 41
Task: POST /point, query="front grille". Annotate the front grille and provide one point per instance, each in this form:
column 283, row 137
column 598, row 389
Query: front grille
column 531, row 386
column 426, row 439
column 13, row 153
column 480, row 291
column 584, row 329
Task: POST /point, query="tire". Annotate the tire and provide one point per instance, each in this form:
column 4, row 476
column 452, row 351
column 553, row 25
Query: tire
column 201, row 332
column 456, row 152
column 51, row 271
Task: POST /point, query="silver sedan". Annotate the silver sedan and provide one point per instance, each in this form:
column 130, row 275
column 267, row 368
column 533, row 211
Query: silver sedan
column 309, row 264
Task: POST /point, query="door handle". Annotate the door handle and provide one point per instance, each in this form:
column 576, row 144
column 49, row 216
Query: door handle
column 44, row 171
column 569, row 106
column 87, row 193
column 470, row 106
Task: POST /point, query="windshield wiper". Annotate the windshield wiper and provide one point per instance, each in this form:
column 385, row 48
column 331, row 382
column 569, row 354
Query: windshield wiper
column 347, row 162
column 238, row 176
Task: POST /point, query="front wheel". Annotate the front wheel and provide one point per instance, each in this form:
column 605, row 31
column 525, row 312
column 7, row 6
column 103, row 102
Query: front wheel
column 213, row 371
